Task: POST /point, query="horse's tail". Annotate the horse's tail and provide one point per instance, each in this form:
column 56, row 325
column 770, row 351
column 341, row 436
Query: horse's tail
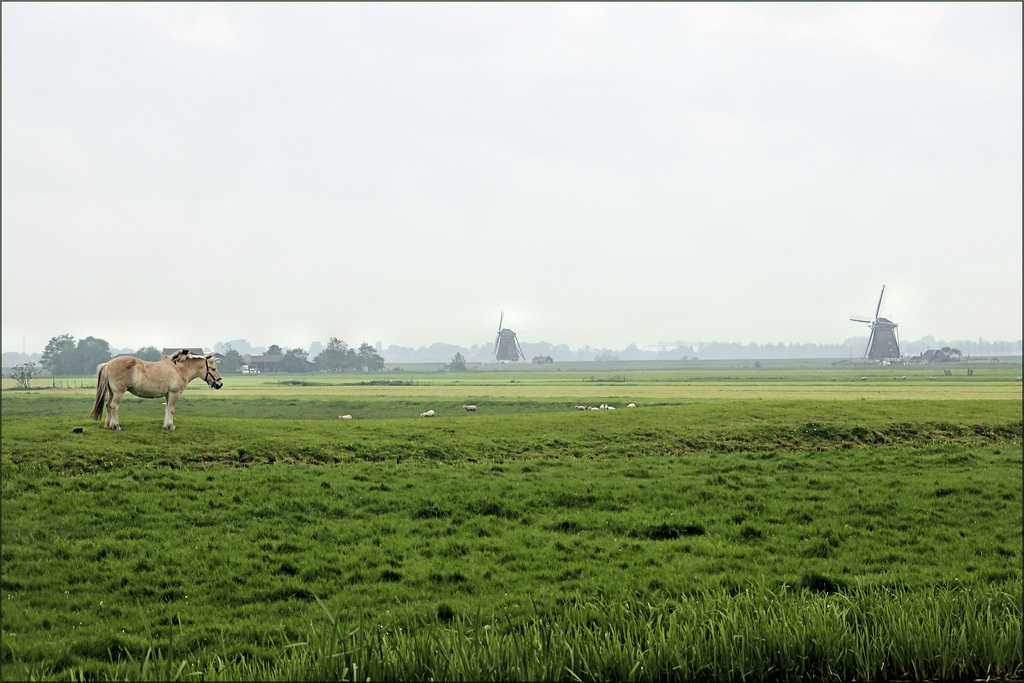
column 102, row 389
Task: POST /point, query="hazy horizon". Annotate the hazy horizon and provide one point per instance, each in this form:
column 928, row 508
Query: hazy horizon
column 849, row 347
column 605, row 174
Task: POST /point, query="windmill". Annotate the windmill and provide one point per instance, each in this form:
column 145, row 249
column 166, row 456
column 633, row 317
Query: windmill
column 883, row 343
column 506, row 344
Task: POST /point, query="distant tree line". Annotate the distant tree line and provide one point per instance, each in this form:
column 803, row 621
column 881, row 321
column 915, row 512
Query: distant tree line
column 64, row 356
column 851, row 348
column 337, row 356
column 340, row 357
column 948, row 354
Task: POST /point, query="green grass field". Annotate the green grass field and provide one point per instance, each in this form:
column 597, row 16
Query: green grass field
column 738, row 524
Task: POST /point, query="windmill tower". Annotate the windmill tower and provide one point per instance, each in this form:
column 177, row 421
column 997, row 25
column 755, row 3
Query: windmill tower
column 506, row 344
column 883, row 342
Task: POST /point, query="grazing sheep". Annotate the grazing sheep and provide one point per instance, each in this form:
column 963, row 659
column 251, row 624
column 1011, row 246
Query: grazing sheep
column 835, row 379
column 863, row 379
column 631, row 405
column 470, row 409
column 594, row 408
column 429, row 413
column 581, row 407
column 1017, row 380
column 344, row 417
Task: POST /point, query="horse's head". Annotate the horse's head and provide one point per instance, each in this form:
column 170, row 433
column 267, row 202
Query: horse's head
column 212, row 376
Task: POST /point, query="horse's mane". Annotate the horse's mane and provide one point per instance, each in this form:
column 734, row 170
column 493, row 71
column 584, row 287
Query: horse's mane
column 184, row 354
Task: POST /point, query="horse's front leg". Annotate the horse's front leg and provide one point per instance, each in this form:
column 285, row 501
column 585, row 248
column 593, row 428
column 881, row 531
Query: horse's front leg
column 115, row 400
column 172, row 400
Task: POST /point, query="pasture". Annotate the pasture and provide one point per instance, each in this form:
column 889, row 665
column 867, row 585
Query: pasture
column 761, row 523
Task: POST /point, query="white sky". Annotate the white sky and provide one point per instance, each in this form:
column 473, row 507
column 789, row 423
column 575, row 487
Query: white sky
column 185, row 174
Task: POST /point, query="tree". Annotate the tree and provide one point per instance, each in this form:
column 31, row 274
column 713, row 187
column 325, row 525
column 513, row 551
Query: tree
column 150, row 353
column 232, row 361
column 948, row 355
column 59, row 355
column 295, row 360
column 458, row 363
column 90, row 353
column 369, row 359
column 23, row 374
column 334, row 357
column 275, row 350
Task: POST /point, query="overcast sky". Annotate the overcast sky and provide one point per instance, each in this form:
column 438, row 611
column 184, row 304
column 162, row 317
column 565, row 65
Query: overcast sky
column 607, row 174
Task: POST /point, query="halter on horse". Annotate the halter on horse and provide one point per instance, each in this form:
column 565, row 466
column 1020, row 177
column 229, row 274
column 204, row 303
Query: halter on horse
column 217, row 383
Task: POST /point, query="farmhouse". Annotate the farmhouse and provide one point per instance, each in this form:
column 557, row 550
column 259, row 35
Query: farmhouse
column 543, row 359
column 271, row 363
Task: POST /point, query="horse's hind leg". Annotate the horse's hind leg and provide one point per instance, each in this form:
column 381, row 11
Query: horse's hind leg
column 172, row 400
column 112, row 404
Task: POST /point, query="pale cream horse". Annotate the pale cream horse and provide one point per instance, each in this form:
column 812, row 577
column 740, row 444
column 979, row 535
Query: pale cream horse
column 167, row 377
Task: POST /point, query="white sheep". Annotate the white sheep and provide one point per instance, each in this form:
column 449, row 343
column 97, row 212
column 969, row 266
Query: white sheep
column 470, row 409
column 344, row 417
column 429, row 413
column 631, row 405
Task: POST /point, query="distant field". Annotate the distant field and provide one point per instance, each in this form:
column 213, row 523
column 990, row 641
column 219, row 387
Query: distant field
column 739, row 523
column 528, row 390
